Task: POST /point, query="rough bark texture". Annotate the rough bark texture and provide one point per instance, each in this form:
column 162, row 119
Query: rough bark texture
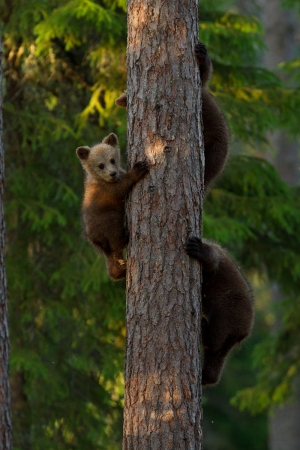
column 5, row 414
column 163, row 368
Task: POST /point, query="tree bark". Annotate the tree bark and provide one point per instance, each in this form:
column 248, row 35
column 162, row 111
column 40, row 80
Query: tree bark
column 5, row 413
column 163, row 368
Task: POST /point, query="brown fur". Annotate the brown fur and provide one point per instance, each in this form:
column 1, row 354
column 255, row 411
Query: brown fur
column 215, row 129
column 103, row 207
column 227, row 306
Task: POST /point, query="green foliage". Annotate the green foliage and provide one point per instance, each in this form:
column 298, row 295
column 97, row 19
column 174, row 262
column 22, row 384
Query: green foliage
column 224, row 426
column 79, row 21
column 254, row 99
column 294, row 4
column 221, row 30
column 276, row 360
column 66, row 317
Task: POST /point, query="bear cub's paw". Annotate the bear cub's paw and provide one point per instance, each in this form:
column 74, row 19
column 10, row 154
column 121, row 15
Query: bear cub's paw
column 201, row 52
column 141, row 167
column 194, row 247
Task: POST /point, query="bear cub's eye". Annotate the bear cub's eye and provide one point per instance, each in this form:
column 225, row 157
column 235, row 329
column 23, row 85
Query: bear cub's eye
column 112, row 161
column 101, row 166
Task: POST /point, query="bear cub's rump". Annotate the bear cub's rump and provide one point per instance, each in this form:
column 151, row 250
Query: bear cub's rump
column 103, row 207
column 227, row 306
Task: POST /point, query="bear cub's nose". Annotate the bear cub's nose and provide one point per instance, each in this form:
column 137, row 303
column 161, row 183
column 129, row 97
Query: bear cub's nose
column 112, row 174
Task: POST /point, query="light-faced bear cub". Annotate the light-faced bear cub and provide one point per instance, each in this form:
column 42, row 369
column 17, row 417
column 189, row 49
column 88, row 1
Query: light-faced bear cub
column 103, row 206
column 227, row 306
column 215, row 129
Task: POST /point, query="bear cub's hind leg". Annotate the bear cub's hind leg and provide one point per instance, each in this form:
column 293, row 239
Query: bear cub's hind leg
column 116, row 266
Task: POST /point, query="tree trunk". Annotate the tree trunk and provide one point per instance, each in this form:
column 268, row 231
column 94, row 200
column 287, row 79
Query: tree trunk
column 5, row 414
column 163, row 367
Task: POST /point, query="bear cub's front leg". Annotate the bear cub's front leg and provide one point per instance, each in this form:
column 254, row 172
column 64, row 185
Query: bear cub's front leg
column 139, row 170
column 203, row 253
column 204, row 63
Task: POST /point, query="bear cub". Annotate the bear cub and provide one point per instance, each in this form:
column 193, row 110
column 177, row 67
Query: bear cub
column 227, row 306
column 103, row 206
column 215, row 128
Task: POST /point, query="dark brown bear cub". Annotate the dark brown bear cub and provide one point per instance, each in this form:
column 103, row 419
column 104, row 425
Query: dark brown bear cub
column 103, row 207
column 227, row 306
column 215, row 129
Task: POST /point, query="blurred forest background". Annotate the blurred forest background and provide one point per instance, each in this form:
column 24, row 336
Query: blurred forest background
column 65, row 64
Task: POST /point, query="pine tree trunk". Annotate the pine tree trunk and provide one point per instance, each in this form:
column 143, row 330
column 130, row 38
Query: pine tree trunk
column 163, row 369
column 5, row 414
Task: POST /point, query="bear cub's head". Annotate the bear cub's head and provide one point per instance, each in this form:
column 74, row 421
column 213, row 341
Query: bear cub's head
column 102, row 161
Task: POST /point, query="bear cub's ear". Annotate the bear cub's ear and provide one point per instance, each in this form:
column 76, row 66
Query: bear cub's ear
column 83, row 152
column 122, row 100
column 111, row 139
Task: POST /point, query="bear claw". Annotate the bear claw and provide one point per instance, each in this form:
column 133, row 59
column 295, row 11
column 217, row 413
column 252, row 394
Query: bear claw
column 142, row 166
column 201, row 52
column 193, row 247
